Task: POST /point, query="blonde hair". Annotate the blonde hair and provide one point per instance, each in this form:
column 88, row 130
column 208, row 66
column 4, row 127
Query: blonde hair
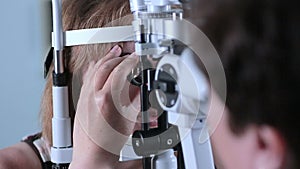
column 82, row 14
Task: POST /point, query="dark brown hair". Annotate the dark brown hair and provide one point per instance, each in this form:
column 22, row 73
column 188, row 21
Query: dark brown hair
column 258, row 42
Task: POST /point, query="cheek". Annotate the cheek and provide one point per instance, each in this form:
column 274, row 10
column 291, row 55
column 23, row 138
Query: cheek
column 231, row 151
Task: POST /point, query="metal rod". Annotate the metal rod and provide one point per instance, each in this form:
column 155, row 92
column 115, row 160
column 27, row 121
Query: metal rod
column 58, row 36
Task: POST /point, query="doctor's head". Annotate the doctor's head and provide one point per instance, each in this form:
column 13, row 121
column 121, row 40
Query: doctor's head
column 258, row 43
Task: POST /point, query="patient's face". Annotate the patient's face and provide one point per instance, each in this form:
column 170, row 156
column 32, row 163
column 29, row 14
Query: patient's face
column 128, row 47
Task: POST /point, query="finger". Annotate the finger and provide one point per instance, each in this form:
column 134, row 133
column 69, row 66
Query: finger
column 120, row 73
column 104, row 71
column 113, row 53
column 119, row 84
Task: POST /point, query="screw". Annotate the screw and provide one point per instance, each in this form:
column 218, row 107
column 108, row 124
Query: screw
column 169, row 141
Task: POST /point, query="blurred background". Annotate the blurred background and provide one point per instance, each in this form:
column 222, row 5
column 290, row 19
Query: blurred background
column 24, row 42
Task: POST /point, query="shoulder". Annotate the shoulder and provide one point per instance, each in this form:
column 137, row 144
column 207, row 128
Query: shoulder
column 19, row 156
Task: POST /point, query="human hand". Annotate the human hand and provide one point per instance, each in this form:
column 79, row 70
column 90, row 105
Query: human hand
column 106, row 112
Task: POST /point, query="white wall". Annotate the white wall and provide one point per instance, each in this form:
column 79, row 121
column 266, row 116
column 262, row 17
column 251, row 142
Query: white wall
column 24, row 41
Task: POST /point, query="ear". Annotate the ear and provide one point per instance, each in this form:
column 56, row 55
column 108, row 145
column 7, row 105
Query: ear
column 271, row 149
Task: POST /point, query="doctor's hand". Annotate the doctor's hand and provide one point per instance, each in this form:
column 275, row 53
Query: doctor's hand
column 106, row 112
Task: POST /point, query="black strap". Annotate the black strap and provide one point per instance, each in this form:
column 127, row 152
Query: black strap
column 47, row 165
column 29, row 140
column 48, row 62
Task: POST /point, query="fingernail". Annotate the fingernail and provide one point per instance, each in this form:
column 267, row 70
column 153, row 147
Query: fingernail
column 115, row 49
